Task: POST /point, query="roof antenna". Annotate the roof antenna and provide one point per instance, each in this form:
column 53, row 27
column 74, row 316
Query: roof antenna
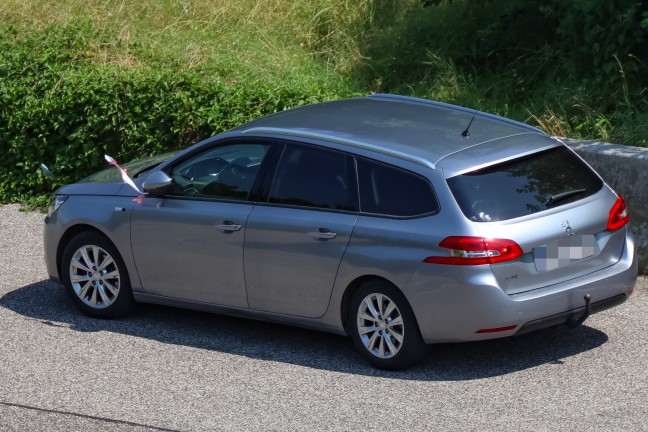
column 466, row 132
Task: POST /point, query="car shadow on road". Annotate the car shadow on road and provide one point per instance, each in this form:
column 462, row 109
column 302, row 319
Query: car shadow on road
column 47, row 303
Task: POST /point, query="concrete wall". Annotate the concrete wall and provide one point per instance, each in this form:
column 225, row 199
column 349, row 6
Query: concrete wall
column 625, row 168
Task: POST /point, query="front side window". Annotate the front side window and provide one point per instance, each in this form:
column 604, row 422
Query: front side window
column 524, row 186
column 390, row 191
column 225, row 172
column 313, row 177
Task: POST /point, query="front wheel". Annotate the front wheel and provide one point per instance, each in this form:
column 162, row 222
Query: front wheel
column 383, row 327
column 95, row 276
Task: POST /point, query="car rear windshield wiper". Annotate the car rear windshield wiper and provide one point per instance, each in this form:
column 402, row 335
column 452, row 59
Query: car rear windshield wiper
column 553, row 199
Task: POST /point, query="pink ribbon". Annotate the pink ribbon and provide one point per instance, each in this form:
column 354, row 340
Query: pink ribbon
column 123, row 173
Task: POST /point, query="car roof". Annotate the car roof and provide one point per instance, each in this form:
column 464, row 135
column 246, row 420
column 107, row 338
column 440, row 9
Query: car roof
column 419, row 130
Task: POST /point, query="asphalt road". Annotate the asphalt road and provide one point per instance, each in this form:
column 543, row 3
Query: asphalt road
column 168, row 369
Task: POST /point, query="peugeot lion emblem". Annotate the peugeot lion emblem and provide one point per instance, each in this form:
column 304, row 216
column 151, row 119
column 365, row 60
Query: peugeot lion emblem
column 568, row 229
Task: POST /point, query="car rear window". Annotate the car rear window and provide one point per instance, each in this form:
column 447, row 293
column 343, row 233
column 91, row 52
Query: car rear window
column 523, row 186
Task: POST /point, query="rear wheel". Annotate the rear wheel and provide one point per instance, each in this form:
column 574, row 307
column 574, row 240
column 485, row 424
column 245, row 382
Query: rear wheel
column 95, row 276
column 383, row 326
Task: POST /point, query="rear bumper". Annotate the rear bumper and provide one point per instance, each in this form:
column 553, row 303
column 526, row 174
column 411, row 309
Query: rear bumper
column 571, row 315
column 452, row 310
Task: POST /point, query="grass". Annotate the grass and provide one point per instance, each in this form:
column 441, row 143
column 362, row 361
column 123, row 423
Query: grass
column 241, row 41
column 450, row 52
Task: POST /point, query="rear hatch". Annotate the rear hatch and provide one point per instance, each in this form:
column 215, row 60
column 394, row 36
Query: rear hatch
column 549, row 202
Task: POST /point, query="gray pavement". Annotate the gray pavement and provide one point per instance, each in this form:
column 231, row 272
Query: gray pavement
column 169, row 369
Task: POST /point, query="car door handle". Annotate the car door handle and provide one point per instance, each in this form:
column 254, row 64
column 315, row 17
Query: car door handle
column 228, row 226
column 322, row 234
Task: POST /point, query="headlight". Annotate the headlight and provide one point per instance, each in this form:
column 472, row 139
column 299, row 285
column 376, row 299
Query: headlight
column 57, row 201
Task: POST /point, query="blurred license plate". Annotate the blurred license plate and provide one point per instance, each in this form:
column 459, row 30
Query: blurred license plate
column 564, row 252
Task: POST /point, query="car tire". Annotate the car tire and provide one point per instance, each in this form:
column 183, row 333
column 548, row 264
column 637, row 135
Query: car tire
column 383, row 327
column 95, row 277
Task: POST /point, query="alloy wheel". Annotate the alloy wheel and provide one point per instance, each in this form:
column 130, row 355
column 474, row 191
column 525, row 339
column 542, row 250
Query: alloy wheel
column 380, row 325
column 94, row 276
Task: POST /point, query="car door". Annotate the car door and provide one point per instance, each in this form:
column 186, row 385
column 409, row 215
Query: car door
column 188, row 244
column 296, row 240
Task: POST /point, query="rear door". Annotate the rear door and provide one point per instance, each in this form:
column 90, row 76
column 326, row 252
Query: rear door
column 553, row 205
column 295, row 241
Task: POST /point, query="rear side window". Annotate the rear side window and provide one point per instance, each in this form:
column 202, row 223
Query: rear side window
column 386, row 190
column 312, row 177
column 523, row 186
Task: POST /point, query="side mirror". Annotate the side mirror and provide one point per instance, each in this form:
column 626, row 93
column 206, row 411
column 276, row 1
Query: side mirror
column 157, row 183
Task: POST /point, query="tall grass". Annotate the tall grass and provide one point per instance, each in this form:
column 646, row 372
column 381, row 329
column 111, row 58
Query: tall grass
column 577, row 68
column 515, row 58
column 299, row 42
column 136, row 76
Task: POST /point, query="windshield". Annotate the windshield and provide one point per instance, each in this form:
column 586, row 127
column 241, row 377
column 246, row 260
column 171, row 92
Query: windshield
column 135, row 169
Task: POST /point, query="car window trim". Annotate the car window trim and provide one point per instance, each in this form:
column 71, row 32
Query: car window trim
column 261, row 187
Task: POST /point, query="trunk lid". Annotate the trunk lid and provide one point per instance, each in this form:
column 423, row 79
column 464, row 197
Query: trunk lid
column 558, row 245
column 552, row 204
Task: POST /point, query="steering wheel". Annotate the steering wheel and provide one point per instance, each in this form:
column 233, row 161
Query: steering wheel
column 231, row 172
column 234, row 170
column 208, row 167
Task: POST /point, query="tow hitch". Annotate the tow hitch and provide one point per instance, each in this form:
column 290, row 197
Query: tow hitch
column 586, row 314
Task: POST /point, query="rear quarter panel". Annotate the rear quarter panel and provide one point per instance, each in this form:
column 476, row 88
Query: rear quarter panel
column 394, row 248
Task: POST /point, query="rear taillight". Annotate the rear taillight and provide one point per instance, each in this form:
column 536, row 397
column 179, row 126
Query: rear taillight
column 476, row 250
column 618, row 215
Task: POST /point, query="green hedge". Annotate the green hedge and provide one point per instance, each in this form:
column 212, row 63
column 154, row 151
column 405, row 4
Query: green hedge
column 68, row 111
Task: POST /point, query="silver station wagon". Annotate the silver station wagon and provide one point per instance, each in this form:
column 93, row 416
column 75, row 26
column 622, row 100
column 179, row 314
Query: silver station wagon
column 398, row 221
